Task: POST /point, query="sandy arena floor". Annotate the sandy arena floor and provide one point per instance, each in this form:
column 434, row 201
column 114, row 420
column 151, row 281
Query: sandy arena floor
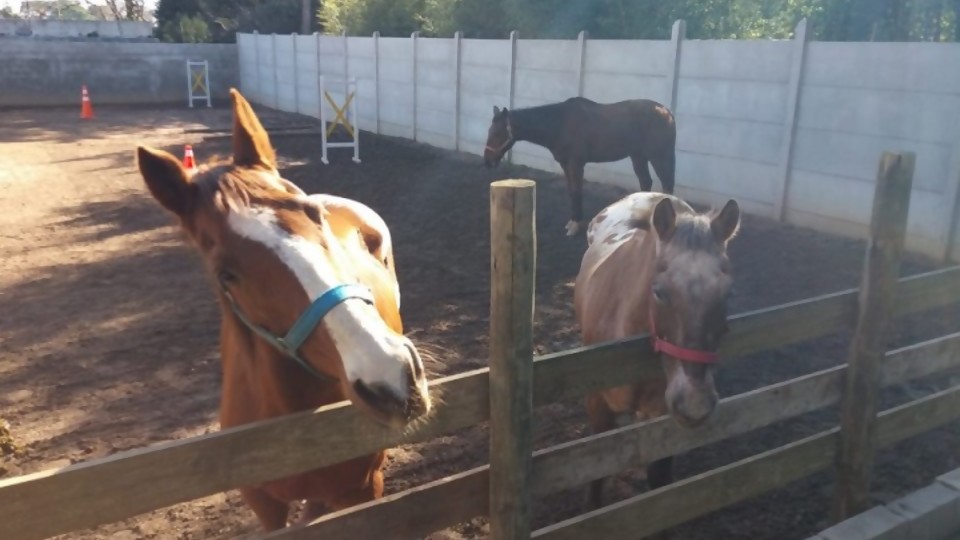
column 108, row 328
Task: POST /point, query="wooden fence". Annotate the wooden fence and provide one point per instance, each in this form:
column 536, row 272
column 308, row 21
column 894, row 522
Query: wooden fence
column 105, row 490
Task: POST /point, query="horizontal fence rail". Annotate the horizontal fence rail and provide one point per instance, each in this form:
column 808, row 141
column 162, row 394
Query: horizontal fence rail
column 111, row 489
column 577, row 462
column 696, row 496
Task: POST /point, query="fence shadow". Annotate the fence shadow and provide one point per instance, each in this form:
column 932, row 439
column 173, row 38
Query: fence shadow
column 122, row 344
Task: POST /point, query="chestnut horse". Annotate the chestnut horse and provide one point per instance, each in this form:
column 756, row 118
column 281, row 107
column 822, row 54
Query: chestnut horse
column 653, row 265
column 580, row 131
column 309, row 307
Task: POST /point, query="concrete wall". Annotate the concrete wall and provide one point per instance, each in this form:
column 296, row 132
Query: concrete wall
column 792, row 130
column 38, row 72
column 58, row 28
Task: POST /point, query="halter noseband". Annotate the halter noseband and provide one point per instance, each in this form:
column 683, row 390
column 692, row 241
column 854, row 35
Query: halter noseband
column 308, row 321
column 661, row 345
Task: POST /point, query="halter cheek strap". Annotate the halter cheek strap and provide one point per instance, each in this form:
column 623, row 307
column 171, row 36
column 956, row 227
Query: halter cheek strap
column 661, row 345
column 290, row 343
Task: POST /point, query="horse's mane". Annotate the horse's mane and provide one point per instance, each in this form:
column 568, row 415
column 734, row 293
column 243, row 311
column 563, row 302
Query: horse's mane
column 229, row 187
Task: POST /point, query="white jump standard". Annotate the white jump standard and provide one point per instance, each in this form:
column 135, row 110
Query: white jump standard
column 198, row 80
column 345, row 115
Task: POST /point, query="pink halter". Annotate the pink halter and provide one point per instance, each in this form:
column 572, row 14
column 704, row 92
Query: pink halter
column 661, row 345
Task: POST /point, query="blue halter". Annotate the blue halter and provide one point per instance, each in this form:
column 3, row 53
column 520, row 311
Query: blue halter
column 290, row 344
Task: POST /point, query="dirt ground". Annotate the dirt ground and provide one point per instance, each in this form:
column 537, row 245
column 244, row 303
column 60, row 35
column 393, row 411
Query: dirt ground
column 108, row 327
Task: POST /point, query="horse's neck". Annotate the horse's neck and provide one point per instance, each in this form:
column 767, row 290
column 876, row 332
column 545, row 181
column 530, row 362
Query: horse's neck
column 538, row 125
column 622, row 297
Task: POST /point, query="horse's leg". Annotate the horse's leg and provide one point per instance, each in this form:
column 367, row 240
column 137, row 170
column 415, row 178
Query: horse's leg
column 371, row 491
column 665, row 164
column 574, row 173
column 312, row 509
column 271, row 512
column 660, row 472
column 601, row 419
column 642, row 171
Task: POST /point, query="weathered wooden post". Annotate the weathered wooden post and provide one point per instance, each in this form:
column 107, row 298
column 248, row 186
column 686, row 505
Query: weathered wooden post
column 888, row 226
column 512, row 270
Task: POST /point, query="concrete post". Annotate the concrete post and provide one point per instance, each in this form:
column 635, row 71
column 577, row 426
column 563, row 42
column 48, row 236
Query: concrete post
column 276, row 85
column 256, row 65
column 376, row 77
column 951, row 205
column 414, row 36
column 513, row 79
column 346, row 66
column 677, row 35
column 458, row 59
column 790, row 122
column 581, row 62
column 319, row 84
column 296, row 79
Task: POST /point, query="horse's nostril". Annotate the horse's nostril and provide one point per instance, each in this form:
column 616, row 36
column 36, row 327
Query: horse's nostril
column 377, row 396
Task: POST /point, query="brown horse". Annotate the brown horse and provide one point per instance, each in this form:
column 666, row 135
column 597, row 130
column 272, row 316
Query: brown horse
column 580, row 131
column 653, row 265
column 317, row 271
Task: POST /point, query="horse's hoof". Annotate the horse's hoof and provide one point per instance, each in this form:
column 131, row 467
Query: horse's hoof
column 572, row 228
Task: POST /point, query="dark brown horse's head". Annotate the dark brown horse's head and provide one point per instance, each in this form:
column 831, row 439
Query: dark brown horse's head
column 276, row 262
column 689, row 306
column 499, row 137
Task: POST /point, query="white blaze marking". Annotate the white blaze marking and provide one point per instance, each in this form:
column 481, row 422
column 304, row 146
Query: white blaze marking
column 369, row 350
column 368, row 216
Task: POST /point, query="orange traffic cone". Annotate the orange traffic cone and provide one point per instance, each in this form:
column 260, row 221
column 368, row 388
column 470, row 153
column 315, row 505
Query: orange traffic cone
column 86, row 109
column 188, row 162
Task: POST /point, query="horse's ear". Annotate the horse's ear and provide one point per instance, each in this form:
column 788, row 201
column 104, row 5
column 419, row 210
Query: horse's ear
column 165, row 178
column 664, row 219
column 251, row 145
column 496, row 111
column 726, row 224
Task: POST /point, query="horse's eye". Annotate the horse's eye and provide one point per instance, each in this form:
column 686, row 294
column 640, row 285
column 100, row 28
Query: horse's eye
column 226, row 276
column 660, row 294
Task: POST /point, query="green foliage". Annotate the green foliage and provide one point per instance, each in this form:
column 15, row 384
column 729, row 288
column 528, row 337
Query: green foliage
column 830, row 20
column 224, row 19
column 187, row 29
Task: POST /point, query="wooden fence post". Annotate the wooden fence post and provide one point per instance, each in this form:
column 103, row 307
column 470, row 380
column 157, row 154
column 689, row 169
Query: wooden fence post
column 888, row 226
column 512, row 271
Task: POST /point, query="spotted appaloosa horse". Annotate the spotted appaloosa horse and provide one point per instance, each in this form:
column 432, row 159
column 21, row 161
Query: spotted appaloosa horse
column 580, row 131
column 316, row 270
column 654, row 265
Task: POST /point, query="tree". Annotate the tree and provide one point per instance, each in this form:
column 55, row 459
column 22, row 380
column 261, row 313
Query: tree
column 187, row 29
column 126, row 10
